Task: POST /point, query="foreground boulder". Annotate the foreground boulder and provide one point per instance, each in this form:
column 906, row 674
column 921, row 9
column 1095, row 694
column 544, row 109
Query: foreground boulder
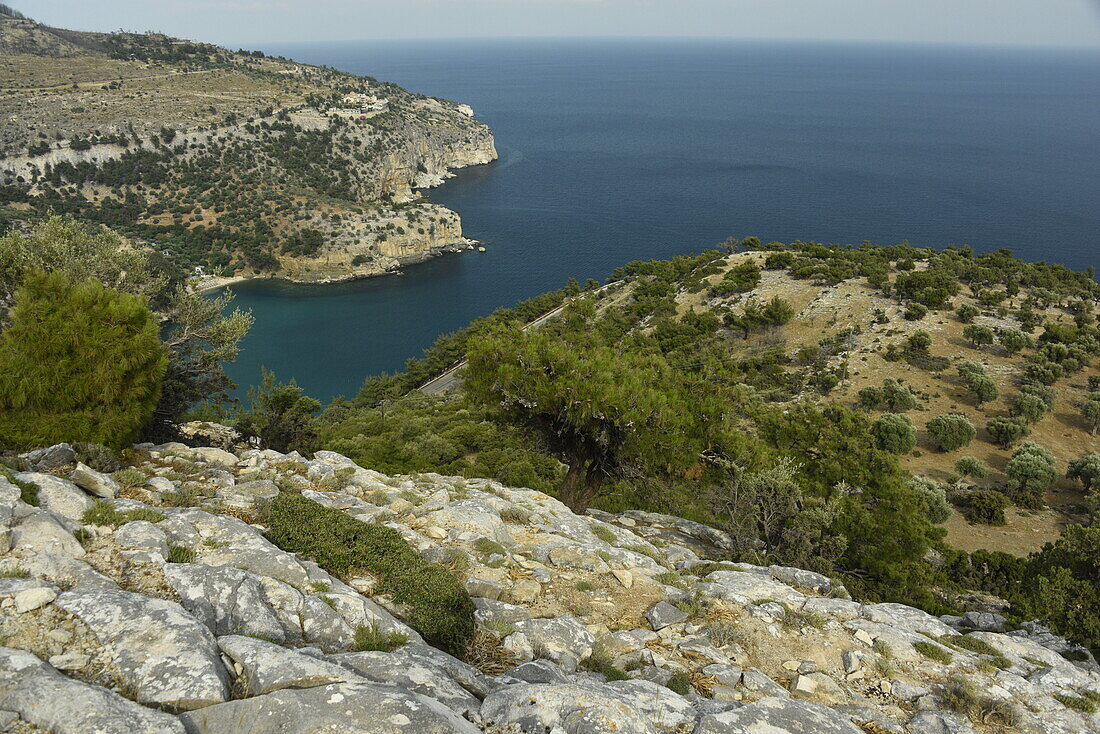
column 165, row 655
column 342, row 708
column 176, row 619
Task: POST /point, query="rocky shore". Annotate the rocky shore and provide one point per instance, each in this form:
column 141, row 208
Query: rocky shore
column 151, row 600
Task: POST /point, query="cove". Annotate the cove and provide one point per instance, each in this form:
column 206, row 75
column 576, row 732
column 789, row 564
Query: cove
column 616, row 150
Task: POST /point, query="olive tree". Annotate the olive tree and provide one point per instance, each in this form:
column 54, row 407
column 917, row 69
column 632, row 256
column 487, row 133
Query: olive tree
column 894, row 433
column 950, row 432
column 1086, row 470
column 969, row 466
column 1032, row 468
column 1006, row 431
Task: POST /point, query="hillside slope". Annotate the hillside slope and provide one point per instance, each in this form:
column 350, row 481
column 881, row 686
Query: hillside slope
column 237, row 162
column 159, row 605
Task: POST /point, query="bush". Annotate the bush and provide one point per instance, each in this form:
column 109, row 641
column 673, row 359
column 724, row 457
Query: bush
column 28, row 491
column 981, row 390
column 950, row 432
column 893, row 396
column 439, row 607
column 977, row 335
column 104, row 513
column 962, row 697
column 1032, row 466
column 1030, row 408
column 77, row 363
column 966, row 313
column 370, row 638
column 982, row 506
column 915, row 312
column 1006, row 431
column 934, row 498
column 894, row 433
column 968, row 466
column 1013, row 340
column 1086, row 470
column 281, row 416
column 932, row 651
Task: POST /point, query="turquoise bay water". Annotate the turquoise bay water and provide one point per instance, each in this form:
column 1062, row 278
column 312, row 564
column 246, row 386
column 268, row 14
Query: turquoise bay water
column 618, row 150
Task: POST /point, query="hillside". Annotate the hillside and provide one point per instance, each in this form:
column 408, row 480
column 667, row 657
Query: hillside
column 242, row 164
column 844, row 330
column 203, row 590
column 848, row 328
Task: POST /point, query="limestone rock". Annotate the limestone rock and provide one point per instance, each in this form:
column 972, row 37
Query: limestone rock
column 412, row 671
column 59, row 496
column 247, row 495
column 52, row 457
column 142, row 535
column 587, row 707
column 565, row 640
column 899, row 615
column 662, row 614
column 40, row 532
column 778, row 715
column 30, row 599
column 266, row 667
column 99, row 484
column 57, row 704
column 339, row 708
column 745, row 588
column 164, row 654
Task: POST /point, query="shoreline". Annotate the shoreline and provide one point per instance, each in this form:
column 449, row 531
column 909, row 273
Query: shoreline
column 214, row 282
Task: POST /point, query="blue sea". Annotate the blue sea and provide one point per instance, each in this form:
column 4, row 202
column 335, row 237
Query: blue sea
column 618, row 150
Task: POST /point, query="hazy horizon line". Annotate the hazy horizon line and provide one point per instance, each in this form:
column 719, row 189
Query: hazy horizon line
column 748, row 39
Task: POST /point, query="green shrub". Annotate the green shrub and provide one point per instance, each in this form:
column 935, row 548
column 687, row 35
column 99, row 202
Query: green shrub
column 370, row 638
column 982, row 506
column 671, row 578
column 978, row 335
column 1006, row 431
column 932, row 651
column 680, row 683
column 962, row 697
column 950, row 432
column 181, row 554
column 605, row 534
column 281, row 416
column 979, row 646
column 104, row 513
column 599, row 661
column 1033, row 468
column 129, row 477
column 966, row 313
column 77, row 363
column 968, row 466
column 515, row 515
column 28, row 491
column 915, row 312
column 933, row 497
column 439, row 607
column 1077, row 703
column 894, row 433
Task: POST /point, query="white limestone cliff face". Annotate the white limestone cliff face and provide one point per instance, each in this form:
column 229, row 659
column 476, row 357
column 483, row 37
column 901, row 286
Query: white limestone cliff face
column 116, row 625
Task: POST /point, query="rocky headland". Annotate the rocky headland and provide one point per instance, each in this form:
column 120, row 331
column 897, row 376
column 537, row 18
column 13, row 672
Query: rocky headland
column 153, row 600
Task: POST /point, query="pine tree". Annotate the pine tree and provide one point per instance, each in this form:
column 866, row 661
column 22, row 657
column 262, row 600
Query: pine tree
column 78, row 362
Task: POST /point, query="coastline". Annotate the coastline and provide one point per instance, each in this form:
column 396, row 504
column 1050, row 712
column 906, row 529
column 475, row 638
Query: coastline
column 214, row 282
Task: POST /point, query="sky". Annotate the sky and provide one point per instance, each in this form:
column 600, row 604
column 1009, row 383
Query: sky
column 245, row 22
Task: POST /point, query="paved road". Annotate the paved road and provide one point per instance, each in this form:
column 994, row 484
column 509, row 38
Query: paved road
column 450, row 379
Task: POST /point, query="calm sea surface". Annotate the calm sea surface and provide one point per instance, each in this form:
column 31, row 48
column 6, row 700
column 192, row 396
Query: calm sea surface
column 617, row 150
